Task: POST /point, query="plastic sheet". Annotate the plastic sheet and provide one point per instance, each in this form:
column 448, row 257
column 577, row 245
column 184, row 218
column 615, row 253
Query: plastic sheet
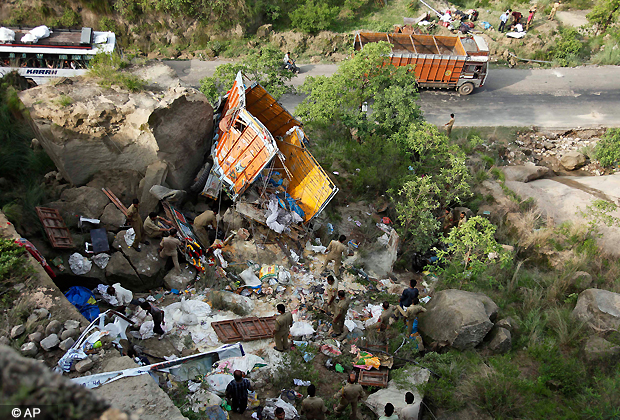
column 130, row 236
column 243, row 363
column 79, row 264
column 6, row 35
column 218, row 382
column 101, row 260
column 250, row 278
column 300, row 328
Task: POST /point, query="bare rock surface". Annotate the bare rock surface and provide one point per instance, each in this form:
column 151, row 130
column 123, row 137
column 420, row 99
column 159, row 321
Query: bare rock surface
column 599, row 309
column 50, row 342
column 597, row 348
column 179, row 281
column 458, row 318
column 111, row 129
column 112, row 218
column 525, row 173
column 138, row 392
column 120, row 270
column 572, row 160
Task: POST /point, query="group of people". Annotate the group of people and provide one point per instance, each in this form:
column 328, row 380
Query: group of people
column 447, row 221
column 516, row 24
column 314, row 407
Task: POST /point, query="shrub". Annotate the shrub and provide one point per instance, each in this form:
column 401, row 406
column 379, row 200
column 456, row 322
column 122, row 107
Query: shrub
column 608, row 148
column 313, row 16
column 108, row 69
column 568, row 48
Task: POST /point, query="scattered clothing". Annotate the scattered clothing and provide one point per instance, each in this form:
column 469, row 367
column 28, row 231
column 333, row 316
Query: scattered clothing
column 123, row 296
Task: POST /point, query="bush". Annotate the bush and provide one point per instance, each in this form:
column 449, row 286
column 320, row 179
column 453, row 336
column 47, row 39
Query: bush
column 568, row 50
column 313, row 16
column 608, row 148
column 108, row 69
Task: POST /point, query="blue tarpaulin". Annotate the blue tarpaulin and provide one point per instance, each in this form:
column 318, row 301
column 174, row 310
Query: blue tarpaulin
column 84, row 300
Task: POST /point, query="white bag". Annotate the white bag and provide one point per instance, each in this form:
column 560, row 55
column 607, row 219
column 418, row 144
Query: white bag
column 300, row 328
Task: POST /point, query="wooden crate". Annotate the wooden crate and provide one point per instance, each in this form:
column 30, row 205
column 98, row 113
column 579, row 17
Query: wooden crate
column 377, row 378
column 55, row 227
column 227, row 331
column 252, row 329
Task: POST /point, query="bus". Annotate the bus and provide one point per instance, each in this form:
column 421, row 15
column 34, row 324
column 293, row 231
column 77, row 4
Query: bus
column 57, row 53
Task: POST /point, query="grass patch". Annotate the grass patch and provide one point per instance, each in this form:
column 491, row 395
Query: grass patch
column 108, row 68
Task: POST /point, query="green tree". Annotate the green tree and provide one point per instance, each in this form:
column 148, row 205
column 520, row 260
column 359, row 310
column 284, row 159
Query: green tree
column 313, row 16
column 263, row 66
column 604, row 14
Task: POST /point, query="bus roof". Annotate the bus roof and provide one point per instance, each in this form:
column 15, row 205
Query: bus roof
column 63, row 41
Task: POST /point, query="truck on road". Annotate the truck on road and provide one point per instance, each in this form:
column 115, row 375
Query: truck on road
column 445, row 62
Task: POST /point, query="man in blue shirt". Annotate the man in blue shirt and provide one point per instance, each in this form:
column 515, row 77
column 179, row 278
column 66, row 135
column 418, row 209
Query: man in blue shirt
column 237, row 392
column 410, row 295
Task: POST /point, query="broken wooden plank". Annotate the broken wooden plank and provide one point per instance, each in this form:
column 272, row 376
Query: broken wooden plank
column 115, row 200
column 55, row 227
column 374, row 378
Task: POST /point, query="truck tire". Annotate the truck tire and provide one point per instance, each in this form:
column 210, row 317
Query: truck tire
column 466, row 88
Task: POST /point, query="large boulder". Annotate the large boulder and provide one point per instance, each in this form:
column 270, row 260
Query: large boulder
column 146, row 263
column 598, row 309
column 112, row 129
column 179, row 281
column 458, row 318
column 112, row 218
column 500, row 340
column 84, row 201
column 123, row 183
column 156, row 174
column 572, row 160
column 119, row 270
column 525, row 173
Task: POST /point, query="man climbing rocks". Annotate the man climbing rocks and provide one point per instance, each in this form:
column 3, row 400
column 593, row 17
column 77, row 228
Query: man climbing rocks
column 135, row 221
column 207, row 218
column 168, row 248
column 237, row 392
column 411, row 317
column 122, row 295
column 340, row 313
column 157, row 314
column 152, row 229
column 334, row 253
column 282, row 328
column 313, row 407
column 331, row 291
column 350, row 394
column 410, row 295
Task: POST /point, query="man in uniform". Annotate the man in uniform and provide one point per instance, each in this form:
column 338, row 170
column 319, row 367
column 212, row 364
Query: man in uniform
column 332, row 292
column 449, row 125
column 152, row 229
column 282, row 328
column 133, row 216
column 411, row 316
column 334, row 253
column 351, row 393
column 168, row 248
column 339, row 315
column 313, row 407
column 208, row 218
column 555, row 8
column 384, row 320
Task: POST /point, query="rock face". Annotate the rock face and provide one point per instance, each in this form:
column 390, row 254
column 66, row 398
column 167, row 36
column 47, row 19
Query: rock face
column 119, row 270
column 17, row 330
column 29, row 350
column 174, row 280
column 579, row 281
column 84, row 201
column 112, row 218
column 598, row 348
column 599, row 309
column 54, row 327
column 147, row 264
column 572, row 160
column 460, row 319
column 501, row 340
column 156, row 174
column 110, row 129
column 525, row 173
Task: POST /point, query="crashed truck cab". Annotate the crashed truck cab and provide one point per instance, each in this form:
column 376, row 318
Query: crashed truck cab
column 260, row 146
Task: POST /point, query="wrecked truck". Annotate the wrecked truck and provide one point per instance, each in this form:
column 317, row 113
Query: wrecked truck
column 446, row 62
column 259, row 143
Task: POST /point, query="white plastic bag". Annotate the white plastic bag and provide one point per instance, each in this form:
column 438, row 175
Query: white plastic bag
column 300, row 328
column 218, row 382
column 250, row 278
column 6, row 35
column 130, row 236
column 79, row 264
column 41, row 32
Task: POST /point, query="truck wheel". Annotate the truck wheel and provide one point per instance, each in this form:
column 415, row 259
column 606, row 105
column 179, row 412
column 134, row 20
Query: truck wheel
column 466, row 89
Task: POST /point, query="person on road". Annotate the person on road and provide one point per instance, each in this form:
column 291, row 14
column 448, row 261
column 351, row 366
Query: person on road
column 334, row 252
column 530, row 18
column 411, row 317
column 152, row 229
column 313, row 407
column 339, row 331
column 289, row 63
column 157, row 314
column 207, row 218
column 410, row 295
column 237, row 392
column 449, row 125
column 503, row 19
column 168, row 248
column 135, row 221
column 388, row 411
column 554, row 9
column 352, row 394
column 410, row 412
column 332, row 292
column 282, row 328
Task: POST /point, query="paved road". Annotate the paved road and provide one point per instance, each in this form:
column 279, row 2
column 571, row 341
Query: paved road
column 558, row 98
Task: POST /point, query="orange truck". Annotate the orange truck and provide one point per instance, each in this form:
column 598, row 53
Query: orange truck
column 445, row 62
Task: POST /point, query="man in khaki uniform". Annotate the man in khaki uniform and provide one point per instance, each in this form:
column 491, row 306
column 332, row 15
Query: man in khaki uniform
column 168, row 248
column 339, row 315
column 555, row 8
column 449, row 125
column 313, row 407
column 331, row 292
column 135, row 221
column 384, row 320
column 411, row 313
column 282, row 329
column 351, row 393
column 208, row 218
column 152, row 229
column 334, row 253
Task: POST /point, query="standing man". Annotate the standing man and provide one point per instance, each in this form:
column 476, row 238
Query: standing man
column 462, row 219
column 516, row 17
column 449, row 125
column 332, row 292
column 157, row 314
column 237, row 392
column 133, row 215
column 339, row 315
column 530, row 18
column 313, row 407
column 410, row 295
column 152, row 229
column 503, row 19
column 384, row 320
column 208, row 218
column 168, row 248
column 351, row 393
column 334, row 253
column 410, row 412
column 411, row 317
column 282, row 328
column 555, row 8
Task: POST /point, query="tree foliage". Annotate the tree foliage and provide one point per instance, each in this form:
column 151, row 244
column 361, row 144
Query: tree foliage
column 263, row 66
column 604, row 14
column 313, row 16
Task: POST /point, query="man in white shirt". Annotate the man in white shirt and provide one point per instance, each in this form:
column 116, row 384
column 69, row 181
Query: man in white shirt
column 503, row 19
column 123, row 296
